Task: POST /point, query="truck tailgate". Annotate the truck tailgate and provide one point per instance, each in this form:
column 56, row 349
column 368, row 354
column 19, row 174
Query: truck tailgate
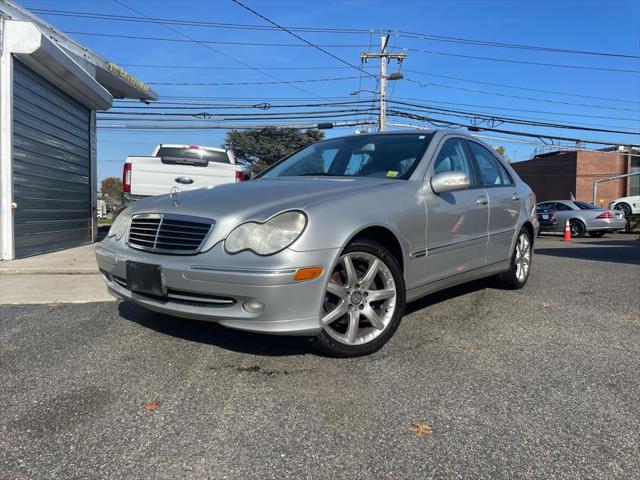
column 149, row 176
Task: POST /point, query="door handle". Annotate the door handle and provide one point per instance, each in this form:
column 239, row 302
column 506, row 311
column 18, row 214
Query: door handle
column 482, row 201
column 515, row 197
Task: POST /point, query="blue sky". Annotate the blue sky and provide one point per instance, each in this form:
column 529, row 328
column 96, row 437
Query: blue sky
column 604, row 26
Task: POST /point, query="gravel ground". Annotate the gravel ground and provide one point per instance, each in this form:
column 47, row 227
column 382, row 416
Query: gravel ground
column 537, row 383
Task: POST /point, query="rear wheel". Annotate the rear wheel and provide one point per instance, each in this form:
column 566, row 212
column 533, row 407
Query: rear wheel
column 577, row 228
column 364, row 301
column 518, row 274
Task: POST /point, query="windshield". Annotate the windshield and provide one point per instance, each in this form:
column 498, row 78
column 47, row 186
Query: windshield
column 586, row 206
column 194, row 156
column 380, row 156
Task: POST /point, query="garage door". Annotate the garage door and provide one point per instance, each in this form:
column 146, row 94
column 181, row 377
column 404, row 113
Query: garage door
column 51, row 166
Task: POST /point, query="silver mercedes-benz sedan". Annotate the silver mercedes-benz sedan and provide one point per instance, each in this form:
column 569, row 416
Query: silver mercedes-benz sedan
column 332, row 241
column 583, row 218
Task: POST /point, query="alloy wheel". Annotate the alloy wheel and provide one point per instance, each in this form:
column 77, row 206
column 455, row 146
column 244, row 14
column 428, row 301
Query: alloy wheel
column 360, row 299
column 523, row 257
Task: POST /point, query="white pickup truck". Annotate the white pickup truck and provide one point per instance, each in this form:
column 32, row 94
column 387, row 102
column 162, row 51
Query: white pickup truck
column 184, row 166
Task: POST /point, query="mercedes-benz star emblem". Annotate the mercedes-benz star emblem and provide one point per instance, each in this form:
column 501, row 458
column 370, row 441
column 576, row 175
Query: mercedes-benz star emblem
column 174, row 195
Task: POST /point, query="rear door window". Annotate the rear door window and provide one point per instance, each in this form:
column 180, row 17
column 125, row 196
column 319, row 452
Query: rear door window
column 545, row 206
column 562, row 207
column 197, row 157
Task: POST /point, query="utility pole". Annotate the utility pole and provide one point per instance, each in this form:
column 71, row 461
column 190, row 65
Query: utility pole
column 384, row 58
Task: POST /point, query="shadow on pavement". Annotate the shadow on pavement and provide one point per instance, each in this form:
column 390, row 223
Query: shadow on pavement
column 613, row 251
column 448, row 294
column 214, row 334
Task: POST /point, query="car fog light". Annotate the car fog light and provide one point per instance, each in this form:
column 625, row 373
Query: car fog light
column 253, row 306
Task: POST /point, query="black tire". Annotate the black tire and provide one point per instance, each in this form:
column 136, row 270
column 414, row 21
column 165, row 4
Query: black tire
column 625, row 208
column 510, row 280
column 596, row 234
column 333, row 348
column 577, row 229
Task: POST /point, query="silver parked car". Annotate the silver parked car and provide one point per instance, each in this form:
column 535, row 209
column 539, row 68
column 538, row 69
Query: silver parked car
column 583, row 218
column 332, row 241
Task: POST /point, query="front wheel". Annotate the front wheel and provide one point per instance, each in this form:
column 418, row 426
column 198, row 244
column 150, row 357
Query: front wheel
column 518, row 274
column 625, row 208
column 363, row 303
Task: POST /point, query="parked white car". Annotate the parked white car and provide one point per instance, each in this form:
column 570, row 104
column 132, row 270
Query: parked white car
column 186, row 167
column 629, row 205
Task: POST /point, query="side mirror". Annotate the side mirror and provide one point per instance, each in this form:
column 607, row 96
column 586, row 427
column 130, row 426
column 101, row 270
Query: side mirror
column 449, row 182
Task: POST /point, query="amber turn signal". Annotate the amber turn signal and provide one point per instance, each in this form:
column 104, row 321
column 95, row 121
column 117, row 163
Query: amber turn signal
column 307, row 273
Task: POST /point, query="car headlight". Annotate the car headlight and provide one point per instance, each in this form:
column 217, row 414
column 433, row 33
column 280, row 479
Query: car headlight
column 120, row 224
column 267, row 238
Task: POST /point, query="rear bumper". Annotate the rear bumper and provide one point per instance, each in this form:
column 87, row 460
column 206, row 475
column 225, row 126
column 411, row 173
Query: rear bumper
column 609, row 225
column 265, row 300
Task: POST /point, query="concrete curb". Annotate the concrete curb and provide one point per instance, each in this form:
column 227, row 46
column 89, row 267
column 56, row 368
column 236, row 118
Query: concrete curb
column 52, row 288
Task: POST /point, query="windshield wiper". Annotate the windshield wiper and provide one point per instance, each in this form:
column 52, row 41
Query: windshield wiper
column 317, row 174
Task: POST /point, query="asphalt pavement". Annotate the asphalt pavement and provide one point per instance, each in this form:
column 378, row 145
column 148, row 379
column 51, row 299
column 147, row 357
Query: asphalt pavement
column 538, row 383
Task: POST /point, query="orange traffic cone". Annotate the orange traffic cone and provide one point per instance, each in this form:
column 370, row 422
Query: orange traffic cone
column 567, row 231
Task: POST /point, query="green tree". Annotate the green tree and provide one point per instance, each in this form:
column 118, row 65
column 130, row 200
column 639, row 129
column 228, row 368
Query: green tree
column 265, row 146
column 111, row 189
column 503, row 151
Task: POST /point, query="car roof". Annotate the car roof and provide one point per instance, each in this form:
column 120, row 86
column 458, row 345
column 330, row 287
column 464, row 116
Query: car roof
column 433, row 131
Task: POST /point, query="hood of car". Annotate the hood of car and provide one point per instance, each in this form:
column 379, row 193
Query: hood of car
column 256, row 200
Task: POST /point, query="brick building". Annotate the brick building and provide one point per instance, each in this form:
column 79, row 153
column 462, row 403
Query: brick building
column 558, row 174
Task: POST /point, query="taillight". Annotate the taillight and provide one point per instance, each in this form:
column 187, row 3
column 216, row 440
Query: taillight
column 239, row 176
column 126, row 177
column 606, row 214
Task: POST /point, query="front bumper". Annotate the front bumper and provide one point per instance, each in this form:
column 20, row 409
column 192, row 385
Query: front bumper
column 207, row 287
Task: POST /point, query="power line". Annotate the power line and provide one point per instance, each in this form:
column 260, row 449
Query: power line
column 159, row 105
column 533, row 99
column 521, row 88
column 178, row 101
column 555, row 92
column 209, row 47
column 485, row 43
column 546, row 112
column 475, row 128
column 171, row 105
column 221, row 126
column 192, row 23
column 207, row 84
column 207, row 115
column 475, row 115
column 317, row 47
column 407, row 34
column 204, row 67
column 208, row 42
column 523, row 62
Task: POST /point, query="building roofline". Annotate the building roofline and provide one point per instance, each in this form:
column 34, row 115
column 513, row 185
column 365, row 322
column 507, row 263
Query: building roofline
column 118, row 82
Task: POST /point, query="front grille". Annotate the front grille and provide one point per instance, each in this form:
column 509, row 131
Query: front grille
column 168, row 233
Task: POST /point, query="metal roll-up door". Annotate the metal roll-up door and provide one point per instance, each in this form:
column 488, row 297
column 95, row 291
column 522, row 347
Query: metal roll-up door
column 51, row 166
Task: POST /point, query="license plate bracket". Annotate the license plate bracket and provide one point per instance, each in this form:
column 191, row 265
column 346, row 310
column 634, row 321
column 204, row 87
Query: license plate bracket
column 545, row 217
column 144, row 278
